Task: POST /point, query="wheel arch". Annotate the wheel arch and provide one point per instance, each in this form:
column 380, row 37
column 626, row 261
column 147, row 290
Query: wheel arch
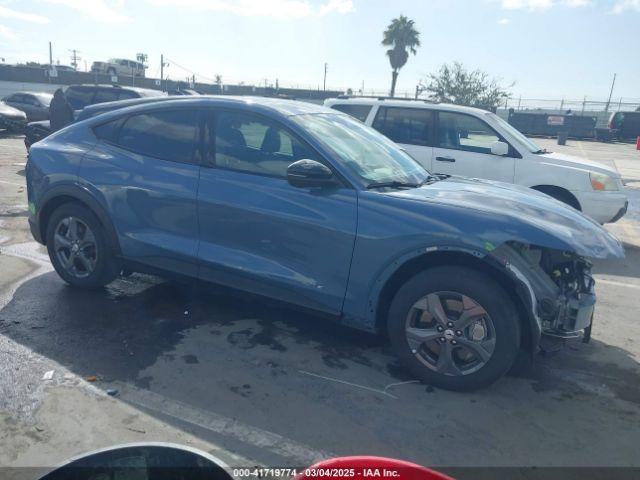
column 75, row 194
column 555, row 192
column 530, row 331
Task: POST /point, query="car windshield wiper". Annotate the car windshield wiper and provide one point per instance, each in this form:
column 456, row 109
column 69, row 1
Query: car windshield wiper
column 392, row 184
column 541, row 151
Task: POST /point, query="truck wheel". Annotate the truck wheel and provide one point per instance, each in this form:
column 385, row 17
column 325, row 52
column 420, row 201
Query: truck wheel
column 454, row 328
column 78, row 247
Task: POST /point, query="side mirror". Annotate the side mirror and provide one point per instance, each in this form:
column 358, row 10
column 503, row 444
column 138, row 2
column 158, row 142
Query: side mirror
column 309, row 173
column 499, row 148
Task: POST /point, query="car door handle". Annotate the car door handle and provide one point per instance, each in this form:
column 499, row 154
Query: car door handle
column 445, row 159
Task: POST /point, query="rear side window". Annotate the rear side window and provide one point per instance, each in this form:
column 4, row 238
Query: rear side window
column 168, row 135
column 108, row 131
column 79, row 98
column 357, row 111
column 103, row 96
column 411, row 126
column 127, row 94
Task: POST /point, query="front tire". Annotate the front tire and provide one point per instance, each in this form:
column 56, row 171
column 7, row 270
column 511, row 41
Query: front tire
column 78, row 247
column 454, row 328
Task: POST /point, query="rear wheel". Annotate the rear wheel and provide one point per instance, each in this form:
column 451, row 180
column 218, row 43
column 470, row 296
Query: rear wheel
column 454, row 328
column 78, row 247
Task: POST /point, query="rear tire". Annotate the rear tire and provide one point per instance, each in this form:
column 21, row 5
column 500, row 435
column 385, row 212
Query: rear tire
column 78, row 247
column 470, row 341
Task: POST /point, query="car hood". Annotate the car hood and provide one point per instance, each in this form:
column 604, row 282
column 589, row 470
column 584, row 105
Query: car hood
column 528, row 216
column 578, row 162
column 10, row 111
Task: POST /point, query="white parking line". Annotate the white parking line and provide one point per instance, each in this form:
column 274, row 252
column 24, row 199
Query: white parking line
column 618, row 284
column 263, row 439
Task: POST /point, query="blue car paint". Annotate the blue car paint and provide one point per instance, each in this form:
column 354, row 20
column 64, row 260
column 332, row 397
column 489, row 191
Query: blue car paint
column 331, row 250
column 152, row 203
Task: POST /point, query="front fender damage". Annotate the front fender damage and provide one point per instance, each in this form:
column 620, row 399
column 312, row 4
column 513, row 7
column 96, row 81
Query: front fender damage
column 556, row 286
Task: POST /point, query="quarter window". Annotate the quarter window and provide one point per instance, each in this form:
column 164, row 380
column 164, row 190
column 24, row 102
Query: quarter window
column 361, row 112
column 458, row 131
column 411, row 126
column 252, row 144
column 169, row 135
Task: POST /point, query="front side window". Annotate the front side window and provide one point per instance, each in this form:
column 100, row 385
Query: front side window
column 367, row 153
column 411, row 126
column 356, row 111
column 253, row 144
column 525, row 142
column 169, row 135
column 459, row 131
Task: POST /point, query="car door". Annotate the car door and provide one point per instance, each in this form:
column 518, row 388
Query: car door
column 261, row 234
column 37, row 111
column 145, row 170
column 411, row 128
column 464, row 148
column 19, row 101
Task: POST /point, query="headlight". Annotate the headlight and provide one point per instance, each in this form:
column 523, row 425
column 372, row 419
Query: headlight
column 600, row 181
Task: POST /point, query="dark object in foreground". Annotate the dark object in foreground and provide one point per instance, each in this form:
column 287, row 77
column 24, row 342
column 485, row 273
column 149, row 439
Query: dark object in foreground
column 151, row 461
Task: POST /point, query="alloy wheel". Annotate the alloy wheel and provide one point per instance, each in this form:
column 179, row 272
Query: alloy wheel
column 450, row 333
column 75, row 247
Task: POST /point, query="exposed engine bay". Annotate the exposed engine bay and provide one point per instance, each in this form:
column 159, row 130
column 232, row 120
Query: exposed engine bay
column 558, row 284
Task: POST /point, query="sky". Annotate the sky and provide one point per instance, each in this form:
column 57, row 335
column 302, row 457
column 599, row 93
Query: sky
column 546, row 48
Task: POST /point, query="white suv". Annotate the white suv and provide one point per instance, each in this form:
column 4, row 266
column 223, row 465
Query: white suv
column 470, row 142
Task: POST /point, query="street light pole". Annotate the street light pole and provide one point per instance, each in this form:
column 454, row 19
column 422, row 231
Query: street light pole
column 606, row 108
column 324, row 85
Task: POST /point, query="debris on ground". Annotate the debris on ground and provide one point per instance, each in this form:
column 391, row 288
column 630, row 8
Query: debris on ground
column 48, row 375
column 91, row 378
column 112, row 392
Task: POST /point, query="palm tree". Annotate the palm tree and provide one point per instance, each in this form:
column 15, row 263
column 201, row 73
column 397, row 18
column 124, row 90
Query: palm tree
column 403, row 38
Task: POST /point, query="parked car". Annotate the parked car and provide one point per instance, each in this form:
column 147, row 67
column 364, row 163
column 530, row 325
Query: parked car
column 12, row 120
column 119, row 66
column 625, row 126
column 309, row 206
column 79, row 97
column 456, row 140
column 35, row 105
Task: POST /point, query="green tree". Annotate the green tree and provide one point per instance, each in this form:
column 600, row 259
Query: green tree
column 455, row 84
column 403, row 38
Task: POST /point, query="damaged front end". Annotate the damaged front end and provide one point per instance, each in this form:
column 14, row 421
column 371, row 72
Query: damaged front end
column 557, row 286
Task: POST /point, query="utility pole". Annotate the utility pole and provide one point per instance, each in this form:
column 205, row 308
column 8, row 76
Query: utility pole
column 74, row 58
column 606, row 108
column 162, row 65
column 324, row 85
column 50, row 62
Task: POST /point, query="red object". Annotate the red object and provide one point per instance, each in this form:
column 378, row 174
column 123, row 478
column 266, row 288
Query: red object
column 365, row 467
column 638, row 143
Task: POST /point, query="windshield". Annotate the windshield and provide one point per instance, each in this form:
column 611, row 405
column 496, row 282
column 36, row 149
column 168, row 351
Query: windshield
column 45, row 98
column 367, row 153
column 517, row 136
